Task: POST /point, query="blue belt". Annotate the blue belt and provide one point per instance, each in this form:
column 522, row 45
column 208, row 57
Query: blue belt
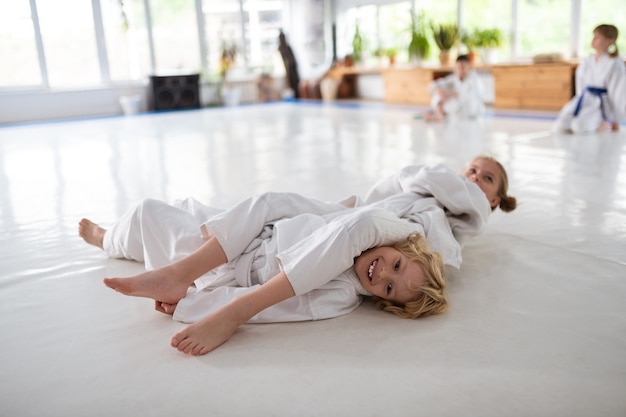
column 596, row 91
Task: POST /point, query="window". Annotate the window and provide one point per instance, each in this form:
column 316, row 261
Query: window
column 18, row 51
column 544, row 26
column 388, row 26
column 69, row 43
column 489, row 14
column 127, row 47
column 438, row 11
column 365, row 17
column 175, row 34
column 395, row 25
column 252, row 27
column 264, row 21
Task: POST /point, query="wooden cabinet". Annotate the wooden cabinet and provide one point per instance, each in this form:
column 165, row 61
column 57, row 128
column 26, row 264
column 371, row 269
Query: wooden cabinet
column 533, row 86
column 410, row 85
column 517, row 86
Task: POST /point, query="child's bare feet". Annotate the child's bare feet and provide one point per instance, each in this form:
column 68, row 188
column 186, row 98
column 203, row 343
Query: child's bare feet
column 160, row 284
column 91, row 232
column 433, row 117
column 207, row 334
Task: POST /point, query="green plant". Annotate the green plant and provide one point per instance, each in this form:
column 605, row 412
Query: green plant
column 227, row 57
column 390, row 52
column 488, row 38
column 357, row 45
column 469, row 39
column 445, row 35
column 419, row 47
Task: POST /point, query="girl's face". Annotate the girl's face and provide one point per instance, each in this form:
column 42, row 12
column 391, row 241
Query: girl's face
column 600, row 43
column 486, row 174
column 387, row 273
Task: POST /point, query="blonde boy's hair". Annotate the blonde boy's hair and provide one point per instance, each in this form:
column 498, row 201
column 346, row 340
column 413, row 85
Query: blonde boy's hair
column 430, row 298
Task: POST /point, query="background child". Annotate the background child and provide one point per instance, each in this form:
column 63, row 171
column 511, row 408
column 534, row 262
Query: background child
column 600, row 101
column 459, row 94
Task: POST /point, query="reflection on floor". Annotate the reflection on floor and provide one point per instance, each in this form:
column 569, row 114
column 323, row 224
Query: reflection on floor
column 538, row 319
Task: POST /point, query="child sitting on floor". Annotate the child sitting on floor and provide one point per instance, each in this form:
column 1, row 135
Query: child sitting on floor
column 459, row 94
column 600, row 101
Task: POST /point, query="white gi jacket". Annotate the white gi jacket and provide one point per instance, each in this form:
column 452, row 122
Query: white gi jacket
column 312, row 241
column 594, row 108
column 470, row 99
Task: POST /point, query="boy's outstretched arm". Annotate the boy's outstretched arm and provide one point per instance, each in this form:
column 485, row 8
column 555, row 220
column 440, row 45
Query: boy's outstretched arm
column 216, row 328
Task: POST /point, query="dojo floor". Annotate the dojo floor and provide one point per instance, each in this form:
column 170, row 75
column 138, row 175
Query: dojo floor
column 537, row 325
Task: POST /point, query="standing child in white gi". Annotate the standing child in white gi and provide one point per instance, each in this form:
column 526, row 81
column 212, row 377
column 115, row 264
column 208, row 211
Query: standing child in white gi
column 283, row 257
column 600, row 101
column 459, row 94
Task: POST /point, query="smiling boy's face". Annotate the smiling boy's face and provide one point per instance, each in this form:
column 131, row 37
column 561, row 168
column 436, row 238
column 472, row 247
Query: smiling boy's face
column 387, row 273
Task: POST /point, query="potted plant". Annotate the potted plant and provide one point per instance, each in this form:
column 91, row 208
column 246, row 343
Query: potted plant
column 446, row 36
column 391, row 54
column 469, row 39
column 489, row 40
column 357, row 45
column 419, row 47
column 229, row 95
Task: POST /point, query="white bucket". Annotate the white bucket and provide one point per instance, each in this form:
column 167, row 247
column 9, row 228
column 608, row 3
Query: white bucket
column 231, row 96
column 130, row 104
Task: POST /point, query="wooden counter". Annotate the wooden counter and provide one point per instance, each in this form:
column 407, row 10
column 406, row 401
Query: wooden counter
column 533, row 86
column 519, row 86
column 410, row 85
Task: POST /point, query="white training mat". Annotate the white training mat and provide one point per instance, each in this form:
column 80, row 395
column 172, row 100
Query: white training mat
column 537, row 325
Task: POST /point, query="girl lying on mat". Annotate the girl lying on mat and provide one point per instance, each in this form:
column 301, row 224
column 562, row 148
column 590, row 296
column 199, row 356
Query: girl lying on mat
column 283, row 257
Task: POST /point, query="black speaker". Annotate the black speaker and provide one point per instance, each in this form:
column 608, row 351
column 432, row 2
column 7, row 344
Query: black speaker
column 171, row 92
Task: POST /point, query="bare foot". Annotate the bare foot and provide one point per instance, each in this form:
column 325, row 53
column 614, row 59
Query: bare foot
column 604, row 127
column 207, row 334
column 161, row 285
column 433, row 117
column 91, row 232
column 615, row 127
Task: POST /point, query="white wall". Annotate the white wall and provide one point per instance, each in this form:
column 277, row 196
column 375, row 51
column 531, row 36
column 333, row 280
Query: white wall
column 20, row 107
column 39, row 105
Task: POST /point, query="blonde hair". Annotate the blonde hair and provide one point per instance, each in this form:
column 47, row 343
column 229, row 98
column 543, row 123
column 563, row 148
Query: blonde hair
column 429, row 298
column 610, row 32
column 507, row 202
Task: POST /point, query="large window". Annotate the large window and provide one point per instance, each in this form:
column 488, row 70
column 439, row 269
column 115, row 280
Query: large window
column 387, row 26
column 69, row 43
column 394, row 29
column 545, row 26
column 175, row 36
column 252, row 27
column 126, row 39
column 45, row 46
column 488, row 14
column 18, row 49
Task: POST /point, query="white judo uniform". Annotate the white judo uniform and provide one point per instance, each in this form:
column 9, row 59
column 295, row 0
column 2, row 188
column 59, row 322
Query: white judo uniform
column 600, row 96
column 470, row 100
column 313, row 242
